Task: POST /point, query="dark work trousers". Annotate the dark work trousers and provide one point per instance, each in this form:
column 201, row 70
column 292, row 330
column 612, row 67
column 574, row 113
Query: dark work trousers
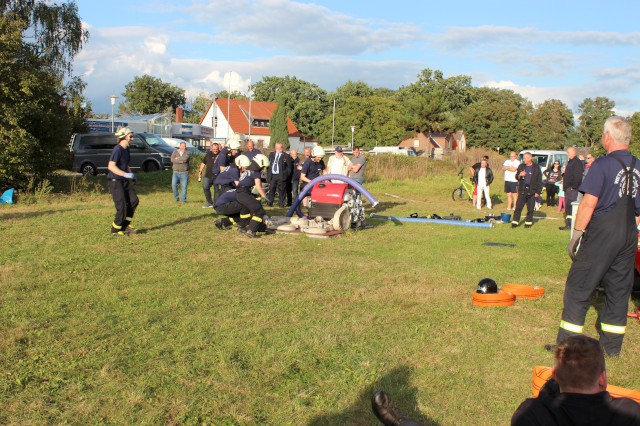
column 524, row 198
column 126, row 201
column 607, row 255
column 233, row 210
column 570, row 195
column 552, row 190
column 255, row 210
column 276, row 184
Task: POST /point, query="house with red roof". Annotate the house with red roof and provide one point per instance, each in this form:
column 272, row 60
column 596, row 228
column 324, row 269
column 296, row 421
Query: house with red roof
column 249, row 119
column 436, row 143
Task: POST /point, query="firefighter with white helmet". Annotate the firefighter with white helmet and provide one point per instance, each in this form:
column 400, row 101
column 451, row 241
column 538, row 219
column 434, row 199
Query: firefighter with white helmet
column 226, row 158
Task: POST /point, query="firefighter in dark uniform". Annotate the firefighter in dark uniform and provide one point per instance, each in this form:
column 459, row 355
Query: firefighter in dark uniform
column 227, row 178
column 571, row 179
column 224, row 159
column 227, row 205
column 121, row 182
column 606, row 229
column 312, row 168
column 254, row 221
column 529, row 187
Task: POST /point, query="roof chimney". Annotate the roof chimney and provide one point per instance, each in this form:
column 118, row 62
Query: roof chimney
column 179, row 113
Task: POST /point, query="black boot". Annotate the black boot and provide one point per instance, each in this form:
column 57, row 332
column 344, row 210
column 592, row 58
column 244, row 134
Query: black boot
column 567, row 225
column 386, row 411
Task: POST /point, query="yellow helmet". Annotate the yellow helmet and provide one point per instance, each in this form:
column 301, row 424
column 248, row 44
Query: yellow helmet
column 317, row 151
column 242, row 161
column 233, row 144
column 261, row 160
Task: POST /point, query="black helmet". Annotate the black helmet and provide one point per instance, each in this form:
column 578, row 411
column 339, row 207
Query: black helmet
column 486, row 286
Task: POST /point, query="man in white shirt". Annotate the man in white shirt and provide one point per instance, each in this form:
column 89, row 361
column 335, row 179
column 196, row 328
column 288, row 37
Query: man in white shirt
column 510, row 182
column 338, row 164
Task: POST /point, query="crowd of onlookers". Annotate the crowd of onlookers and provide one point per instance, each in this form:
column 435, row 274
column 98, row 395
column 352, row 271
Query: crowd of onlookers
column 524, row 183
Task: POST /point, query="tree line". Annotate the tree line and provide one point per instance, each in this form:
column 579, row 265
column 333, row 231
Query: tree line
column 496, row 119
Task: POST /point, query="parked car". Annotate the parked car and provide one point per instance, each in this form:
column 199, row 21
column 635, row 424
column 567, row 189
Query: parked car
column 545, row 158
column 174, row 142
column 395, row 150
column 91, row 152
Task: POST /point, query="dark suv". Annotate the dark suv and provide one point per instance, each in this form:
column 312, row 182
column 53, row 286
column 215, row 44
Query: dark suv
column 91, row 152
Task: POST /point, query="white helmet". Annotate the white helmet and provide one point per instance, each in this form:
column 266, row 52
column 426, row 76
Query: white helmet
column 242, row 161
column 261, row 160
column 317, row 151
column 233, row 144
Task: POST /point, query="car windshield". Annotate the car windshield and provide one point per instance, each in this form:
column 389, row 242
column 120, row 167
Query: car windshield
column 540, row 159
column 154, row 140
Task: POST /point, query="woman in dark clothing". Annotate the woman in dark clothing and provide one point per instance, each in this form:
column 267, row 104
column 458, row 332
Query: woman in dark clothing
column 553, row 175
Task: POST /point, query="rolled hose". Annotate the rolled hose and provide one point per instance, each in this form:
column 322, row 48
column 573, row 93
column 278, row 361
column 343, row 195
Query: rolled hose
column 436, row 221
column 501, row 298
column 524, row 291
column 295, row 207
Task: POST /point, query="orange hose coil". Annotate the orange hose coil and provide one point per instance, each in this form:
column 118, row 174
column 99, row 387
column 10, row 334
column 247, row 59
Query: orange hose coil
column 501, row 298
column 524, row 291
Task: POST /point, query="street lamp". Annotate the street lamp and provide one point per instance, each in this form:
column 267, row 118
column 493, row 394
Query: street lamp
column 113, row 102
column 353, row 129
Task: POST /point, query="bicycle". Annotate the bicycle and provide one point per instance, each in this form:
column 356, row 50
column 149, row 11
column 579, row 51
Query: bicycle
column 465, row 191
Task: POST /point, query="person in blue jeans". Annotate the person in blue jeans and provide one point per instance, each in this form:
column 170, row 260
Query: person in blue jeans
column 180, row 161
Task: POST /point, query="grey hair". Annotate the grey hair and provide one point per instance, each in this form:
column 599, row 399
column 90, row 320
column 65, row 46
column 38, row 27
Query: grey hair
column 619, row 129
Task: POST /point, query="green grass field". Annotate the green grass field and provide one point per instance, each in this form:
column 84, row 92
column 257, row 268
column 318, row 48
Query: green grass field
column 185, row 324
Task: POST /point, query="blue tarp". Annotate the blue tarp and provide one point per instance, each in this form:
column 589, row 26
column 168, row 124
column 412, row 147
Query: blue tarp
column 7, row 197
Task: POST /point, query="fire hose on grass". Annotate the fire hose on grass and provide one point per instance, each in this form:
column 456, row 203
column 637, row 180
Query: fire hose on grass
column 436, row 221
column 295, row 207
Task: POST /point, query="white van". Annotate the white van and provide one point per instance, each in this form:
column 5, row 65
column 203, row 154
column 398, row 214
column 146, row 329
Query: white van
column 545, row 158
column 395, row 150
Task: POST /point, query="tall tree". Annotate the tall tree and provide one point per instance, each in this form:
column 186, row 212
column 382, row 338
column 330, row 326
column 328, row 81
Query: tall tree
column 634, row 144
column 150, row 95
column 377, row 121
column 196, row 107
column 593, row 114
column 433, row 102
column 552, row 125
column 306, row 103
column 349, row 89
column 38, row 42
column 278, row 129
column 498, row 119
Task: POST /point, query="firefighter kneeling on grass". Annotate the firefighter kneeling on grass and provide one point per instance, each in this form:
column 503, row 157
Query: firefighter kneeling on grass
column 250, row 217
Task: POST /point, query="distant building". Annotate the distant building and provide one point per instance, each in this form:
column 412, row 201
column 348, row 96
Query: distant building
column 436, row 144
column 233, row 116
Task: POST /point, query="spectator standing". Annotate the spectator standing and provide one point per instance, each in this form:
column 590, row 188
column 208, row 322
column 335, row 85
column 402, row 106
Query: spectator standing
column 180, row 161
column 606, row 230
column 207, row 164
column 571, row 180
column 474, row 170
column 251, row 150
column 121, row 184
column 529, row 187
column 483, row 179
column 312, row 167
column 338, row 164
column 553, row 175
column 294, row 181
column 278, row 174
column 358, row 164
column 510, row 167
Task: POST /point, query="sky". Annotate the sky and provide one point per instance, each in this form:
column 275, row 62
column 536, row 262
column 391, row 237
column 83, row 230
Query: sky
column 562, row 49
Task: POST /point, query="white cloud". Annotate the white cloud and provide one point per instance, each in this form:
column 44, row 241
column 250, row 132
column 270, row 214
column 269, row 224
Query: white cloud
column 303, row 28
column 465, row 37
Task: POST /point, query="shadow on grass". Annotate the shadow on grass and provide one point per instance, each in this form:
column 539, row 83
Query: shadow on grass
column 175, row 222
column 396, row 385
column 31, row 214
